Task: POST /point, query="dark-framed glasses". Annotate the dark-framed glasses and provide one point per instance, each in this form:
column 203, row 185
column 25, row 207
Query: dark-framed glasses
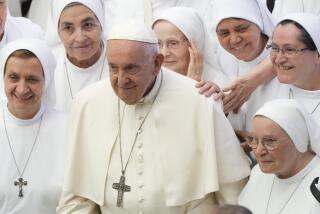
column 268, row 143
column 286, row 50
column 171, row 43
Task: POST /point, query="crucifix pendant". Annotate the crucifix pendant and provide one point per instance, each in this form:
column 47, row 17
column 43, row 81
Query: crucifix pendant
column 122, row 188
column 20, row 183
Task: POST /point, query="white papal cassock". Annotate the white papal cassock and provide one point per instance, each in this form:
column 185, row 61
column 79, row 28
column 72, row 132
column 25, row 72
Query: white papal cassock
column 185, row 150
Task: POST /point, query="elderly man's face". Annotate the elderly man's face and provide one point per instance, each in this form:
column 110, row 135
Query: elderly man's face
column 132, row 69
column 81, row 34
column 284, row 159
column 3, row 15
column 24, row 86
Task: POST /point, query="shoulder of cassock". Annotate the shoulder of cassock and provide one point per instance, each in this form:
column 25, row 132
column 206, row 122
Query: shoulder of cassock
column 184, row 123
column 20, row 27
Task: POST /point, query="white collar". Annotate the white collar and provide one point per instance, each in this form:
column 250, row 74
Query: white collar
column 22, row 122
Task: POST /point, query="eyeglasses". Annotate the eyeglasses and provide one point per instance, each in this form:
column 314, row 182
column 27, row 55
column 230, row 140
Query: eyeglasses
column 268, row 143
column 171, row 43
column 287, row 50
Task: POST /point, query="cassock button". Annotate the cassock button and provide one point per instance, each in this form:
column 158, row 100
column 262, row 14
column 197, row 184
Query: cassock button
column 140, row 172
column 141, row 200
column 141, row 118
column 141, row 186
column 141, row 212
column 140, row 145
column 140, row 158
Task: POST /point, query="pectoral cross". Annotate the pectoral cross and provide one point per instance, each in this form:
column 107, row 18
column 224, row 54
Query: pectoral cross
column 122, row 188
column 20, row 183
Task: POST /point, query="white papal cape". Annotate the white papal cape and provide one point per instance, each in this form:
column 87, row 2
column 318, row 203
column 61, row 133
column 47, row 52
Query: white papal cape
column 186, row 142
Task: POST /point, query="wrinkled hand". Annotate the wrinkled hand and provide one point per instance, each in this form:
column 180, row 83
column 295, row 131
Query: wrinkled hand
column 237, row 93
column 242, row 136
column 208, row 88
column 195, row 68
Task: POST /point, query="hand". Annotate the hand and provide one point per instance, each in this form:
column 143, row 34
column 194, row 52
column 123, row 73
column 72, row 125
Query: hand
column 208, row 88
column 195, row 68
column 242, row 136
column 237, row 93
column 241, row 89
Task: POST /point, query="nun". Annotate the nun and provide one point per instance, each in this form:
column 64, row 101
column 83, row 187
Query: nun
column 32, row 134
column 243, row 31
column 81, row 58
column 285, row 140
column 295, row 57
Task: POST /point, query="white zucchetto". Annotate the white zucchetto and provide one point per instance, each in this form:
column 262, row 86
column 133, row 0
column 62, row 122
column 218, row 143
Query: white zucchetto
column 134, row 31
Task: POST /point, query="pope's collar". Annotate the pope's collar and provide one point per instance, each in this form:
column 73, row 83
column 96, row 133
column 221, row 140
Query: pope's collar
column 153, row 92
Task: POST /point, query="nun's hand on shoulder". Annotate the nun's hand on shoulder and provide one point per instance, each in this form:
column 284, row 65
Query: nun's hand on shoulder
column 237, row 93
column 195, row 68
column 208, row 89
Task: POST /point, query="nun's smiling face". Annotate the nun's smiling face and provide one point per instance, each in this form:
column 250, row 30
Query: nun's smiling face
column 3, row 15
column 299, row 68
column 81, row 34
column 241, row 38
column 24, row 86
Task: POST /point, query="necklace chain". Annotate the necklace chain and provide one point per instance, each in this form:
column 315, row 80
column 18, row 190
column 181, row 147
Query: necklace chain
column 12, row 153
column 287, row 201
column 123, row 168
column 68, row 79
column 291, row 96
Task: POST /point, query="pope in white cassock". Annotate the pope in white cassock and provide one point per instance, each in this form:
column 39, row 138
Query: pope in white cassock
column 12, row 28
column 32, row 134
column 147, row 142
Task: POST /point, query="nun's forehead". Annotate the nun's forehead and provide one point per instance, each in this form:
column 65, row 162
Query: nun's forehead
column 24, row 54
column 235, row 20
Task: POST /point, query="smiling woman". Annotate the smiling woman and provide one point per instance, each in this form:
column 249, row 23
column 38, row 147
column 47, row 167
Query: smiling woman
column 81, row 58
column 243, row 31
column 24, row 83
column 295, row 57
column 286, row 144
column 186, row 45
column 31, row 154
